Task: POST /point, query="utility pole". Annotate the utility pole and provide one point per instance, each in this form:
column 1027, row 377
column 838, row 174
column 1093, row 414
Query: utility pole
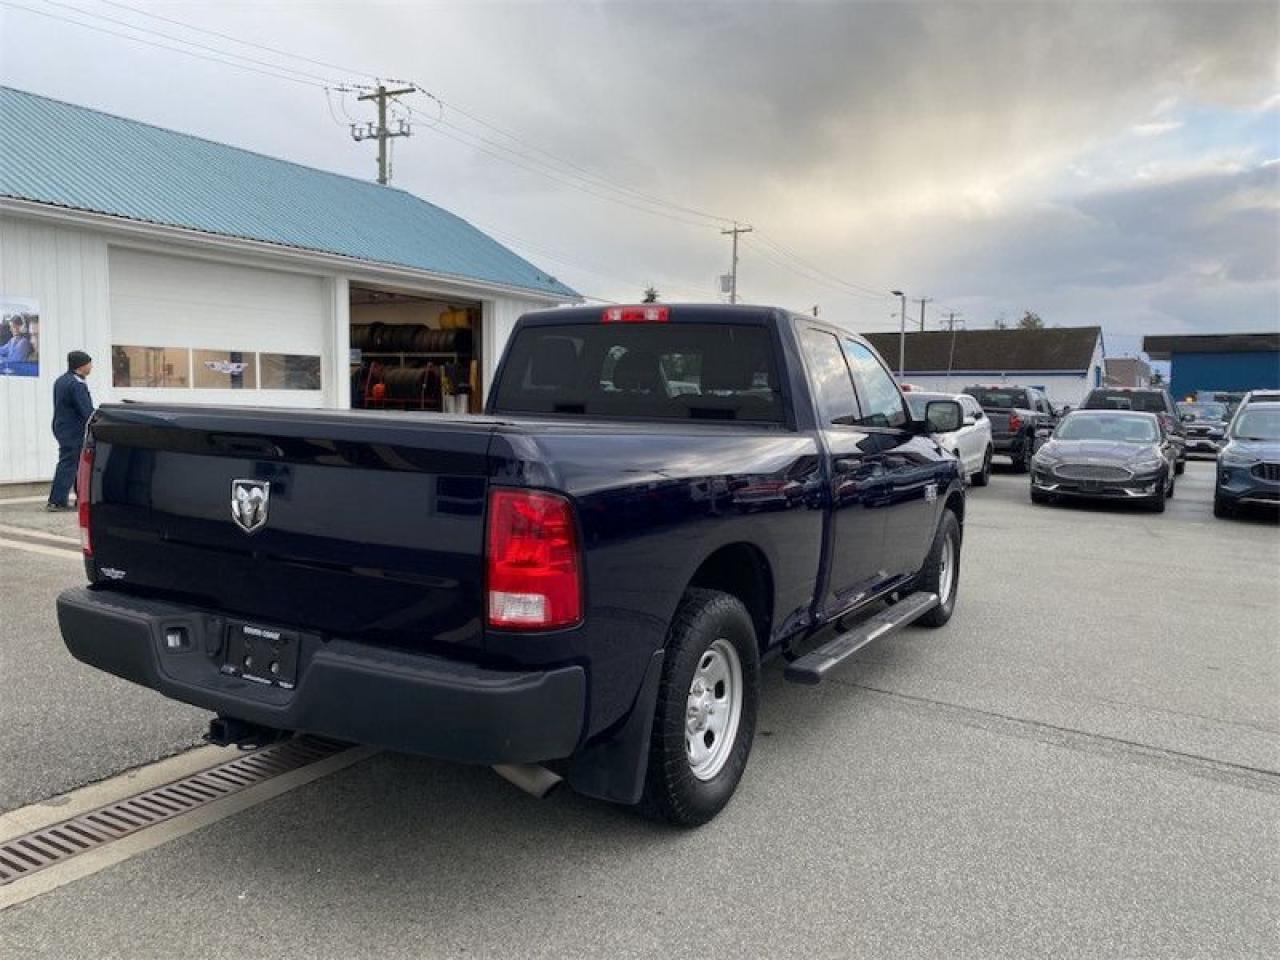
column 380, row 132
column 902, row 334
column 951, row 358
column 922, row 301
column 733, row 271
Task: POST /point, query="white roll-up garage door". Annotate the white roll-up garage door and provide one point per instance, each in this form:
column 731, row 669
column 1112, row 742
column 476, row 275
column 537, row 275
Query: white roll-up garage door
column 201, row 331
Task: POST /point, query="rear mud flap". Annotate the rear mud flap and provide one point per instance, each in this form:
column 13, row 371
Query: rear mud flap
column 614, row 769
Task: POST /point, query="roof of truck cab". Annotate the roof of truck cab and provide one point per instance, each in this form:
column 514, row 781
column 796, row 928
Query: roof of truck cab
column 61, row 155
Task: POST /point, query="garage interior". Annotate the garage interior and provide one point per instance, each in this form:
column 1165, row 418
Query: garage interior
column 414, row 352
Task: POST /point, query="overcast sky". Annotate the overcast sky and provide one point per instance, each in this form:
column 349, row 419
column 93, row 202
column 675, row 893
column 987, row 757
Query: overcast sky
column 1096, row 163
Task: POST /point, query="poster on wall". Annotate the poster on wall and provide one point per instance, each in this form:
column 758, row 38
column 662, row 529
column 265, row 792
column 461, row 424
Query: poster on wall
column 19, row 337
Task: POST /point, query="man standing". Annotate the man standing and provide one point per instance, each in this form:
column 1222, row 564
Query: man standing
column 72, row 408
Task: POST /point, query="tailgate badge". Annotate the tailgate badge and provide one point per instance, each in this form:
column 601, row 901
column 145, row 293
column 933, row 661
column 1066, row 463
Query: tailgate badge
column 249, row 500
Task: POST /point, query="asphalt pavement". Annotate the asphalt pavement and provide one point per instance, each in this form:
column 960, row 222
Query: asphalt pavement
column 1084, row 763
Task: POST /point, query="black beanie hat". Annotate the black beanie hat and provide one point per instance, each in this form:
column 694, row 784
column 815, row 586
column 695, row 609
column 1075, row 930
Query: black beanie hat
column 77, row 359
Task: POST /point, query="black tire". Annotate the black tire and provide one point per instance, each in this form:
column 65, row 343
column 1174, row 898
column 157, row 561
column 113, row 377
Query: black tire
column 1156, row 503
column 671, row 790
column 1022, row 463
column 1179, row 468
column 931, row 574
column 1222, row 507
column 983, row 476
column 1039, row 496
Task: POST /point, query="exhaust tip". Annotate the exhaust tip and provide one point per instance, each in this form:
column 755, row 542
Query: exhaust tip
column 535, row 780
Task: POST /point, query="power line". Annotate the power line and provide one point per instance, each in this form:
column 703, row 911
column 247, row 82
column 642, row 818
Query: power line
column 183, row 40
column 247, row 43
column 581, row 170
column 460, row 138
column 161, row 46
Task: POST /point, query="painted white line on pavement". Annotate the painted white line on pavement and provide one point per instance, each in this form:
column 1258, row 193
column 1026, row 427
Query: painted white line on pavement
column 38, row 498
column 17, row 531
column 117, row 851
column 46, row 813
column 48, row 551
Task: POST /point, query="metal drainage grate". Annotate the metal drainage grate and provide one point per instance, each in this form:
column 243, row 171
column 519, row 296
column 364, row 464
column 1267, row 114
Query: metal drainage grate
column 41, row 849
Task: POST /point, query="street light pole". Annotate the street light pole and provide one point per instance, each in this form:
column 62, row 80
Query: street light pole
column 902, row 335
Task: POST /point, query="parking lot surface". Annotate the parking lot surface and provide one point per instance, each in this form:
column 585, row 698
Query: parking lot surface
column 1084, row 763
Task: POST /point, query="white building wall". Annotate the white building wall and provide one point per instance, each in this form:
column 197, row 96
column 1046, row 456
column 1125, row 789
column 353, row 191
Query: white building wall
column 499, row 319
column 65, row 272
column 95, row 289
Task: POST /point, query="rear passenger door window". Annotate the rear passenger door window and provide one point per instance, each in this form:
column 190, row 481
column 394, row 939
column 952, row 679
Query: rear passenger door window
column 829, row 374
column 882, row 404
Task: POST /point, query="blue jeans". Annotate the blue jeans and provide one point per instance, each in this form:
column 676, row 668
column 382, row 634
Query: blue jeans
column 64, row 477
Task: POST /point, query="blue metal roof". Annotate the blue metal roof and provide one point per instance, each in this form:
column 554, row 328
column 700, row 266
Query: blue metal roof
column 58, row 153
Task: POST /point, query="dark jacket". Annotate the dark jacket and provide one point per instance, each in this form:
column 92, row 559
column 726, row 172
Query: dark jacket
column 72, row 407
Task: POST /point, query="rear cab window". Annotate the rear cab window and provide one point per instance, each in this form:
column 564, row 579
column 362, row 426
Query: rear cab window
column 1000, row 398
column 1147, row 401
column 642, row 371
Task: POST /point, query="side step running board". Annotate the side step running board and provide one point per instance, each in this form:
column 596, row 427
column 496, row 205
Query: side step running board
column 816, row 664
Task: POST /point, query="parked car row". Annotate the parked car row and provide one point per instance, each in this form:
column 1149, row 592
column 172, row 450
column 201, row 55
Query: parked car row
column 1123, row 443
column 1132, row 455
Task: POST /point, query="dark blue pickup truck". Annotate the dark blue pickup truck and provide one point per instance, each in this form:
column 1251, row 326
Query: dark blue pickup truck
column 580, row 584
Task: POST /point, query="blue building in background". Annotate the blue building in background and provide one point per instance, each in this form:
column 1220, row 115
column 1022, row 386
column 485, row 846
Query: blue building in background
column 1229, row 362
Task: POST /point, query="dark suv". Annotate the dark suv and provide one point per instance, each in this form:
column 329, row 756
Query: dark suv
column 1149, row 400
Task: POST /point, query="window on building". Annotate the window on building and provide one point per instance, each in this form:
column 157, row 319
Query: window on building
column 288, row 371
column 158, row 367
column 225, row 370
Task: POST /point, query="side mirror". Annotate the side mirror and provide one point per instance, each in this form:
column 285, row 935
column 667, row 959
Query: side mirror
column 943, row 416
column 970, row 420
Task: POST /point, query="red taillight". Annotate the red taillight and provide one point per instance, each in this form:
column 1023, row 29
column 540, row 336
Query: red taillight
column 1015, row 422
column 644, row 314
column 534, row 566
column 84, row 476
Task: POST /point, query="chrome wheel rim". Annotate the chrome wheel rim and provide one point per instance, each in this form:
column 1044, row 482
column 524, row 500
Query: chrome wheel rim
column 946, row 572
column 713, row 710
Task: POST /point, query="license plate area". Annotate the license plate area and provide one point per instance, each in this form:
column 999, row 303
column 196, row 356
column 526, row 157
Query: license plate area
column 265, row 655
column 1091, row 486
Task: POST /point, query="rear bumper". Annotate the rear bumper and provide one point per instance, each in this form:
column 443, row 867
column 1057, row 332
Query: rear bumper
column 417, row 704
column 1208, row 445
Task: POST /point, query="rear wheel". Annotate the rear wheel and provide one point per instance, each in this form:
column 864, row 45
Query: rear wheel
column 1180, row 467
column 983, row 476
column 1022, row 462
column 705, row 718
column 941, row 571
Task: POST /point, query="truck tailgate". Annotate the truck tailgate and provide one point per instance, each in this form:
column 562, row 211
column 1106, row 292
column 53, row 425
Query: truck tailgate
column 373, row 531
